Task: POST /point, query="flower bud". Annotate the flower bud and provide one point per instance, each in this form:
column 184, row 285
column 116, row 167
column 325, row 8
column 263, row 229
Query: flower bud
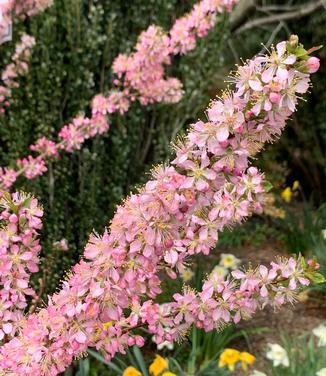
column 312, row 64
column 294, row 40
column 13, row 218
column 274, row 97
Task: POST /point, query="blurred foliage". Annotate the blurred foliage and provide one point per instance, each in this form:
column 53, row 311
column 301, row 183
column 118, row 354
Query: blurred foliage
column 77, row 41
column 301, row 228
column 252, row 233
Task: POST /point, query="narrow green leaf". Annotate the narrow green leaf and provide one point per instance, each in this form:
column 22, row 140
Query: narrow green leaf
column 140, row 360
column 99, row 357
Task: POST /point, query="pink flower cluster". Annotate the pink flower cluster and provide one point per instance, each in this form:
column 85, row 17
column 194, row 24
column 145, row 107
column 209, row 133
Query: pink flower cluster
column 18, row 67
column 19, row 249
column 5, row 17
column 32, row 166
column 7, row 176
column 31, row 7
column 223, row 301
column 74, row 135
column 21, row 9
column 142, row 73
column 178, row 213
column 140, row 76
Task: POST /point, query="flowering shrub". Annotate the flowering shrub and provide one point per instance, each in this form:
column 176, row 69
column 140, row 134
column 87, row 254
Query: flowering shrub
column 140, row 76
column 209, row 186
column 18, row 67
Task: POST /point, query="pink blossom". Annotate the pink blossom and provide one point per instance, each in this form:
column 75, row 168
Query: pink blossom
column 19, row 249
column 7, row 177
column 32, row 166
column 46, row 147
column 18, row 67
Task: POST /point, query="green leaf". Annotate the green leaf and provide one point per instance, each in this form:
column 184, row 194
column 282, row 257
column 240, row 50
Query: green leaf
column 316, row 277
column 83, row 368
column 302, row 261
column 140, row 360
column 99, row 357
column 300, row 52
column 267, row 186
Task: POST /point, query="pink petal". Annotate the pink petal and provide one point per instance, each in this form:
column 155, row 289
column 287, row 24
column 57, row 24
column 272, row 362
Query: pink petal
column 80, row 337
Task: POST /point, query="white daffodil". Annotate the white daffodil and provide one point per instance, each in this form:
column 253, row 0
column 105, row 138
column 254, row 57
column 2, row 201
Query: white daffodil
column 321, row 372
column 258, row 373
column 220, row 271
column 320, row 332
column 323, row 233
column 229, row 261
column 167, row 344
column 278, row 355
column 187, row 275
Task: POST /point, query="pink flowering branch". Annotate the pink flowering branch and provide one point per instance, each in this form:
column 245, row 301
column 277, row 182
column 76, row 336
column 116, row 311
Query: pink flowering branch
column 177, row 214
column 19, row 250
column 20, row 9
column 139, row 76
column 18, row 67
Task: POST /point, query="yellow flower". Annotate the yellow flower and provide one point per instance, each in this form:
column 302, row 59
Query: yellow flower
column 247, row 358
column 131, row 371
column 287, row 194
column 168, row 373
column 296, row 185
column 229, row 357
column 106, row 325
column 159, row 365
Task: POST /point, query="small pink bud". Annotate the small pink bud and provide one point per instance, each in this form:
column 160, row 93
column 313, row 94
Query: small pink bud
column 249, row 114
column 13, row 218
column 224, row 143
column 169, row 243
column 139, row 341
column 131, row 341
column 239, row 129
column 312, row 64
column 274, row 97
column 313, row 263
